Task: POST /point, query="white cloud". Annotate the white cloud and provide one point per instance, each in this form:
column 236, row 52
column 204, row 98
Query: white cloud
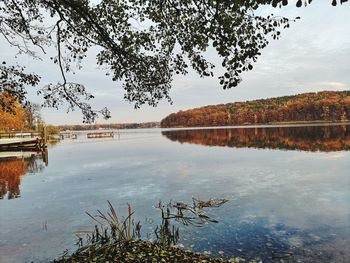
column 317, row 86
column 333, row 84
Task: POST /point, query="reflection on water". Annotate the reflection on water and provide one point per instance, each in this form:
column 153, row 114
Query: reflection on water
column 280, row 202
column 14, row 165
column 305, row 138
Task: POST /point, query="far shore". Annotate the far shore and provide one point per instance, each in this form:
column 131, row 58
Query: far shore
column 266, row 125
column 246, row 125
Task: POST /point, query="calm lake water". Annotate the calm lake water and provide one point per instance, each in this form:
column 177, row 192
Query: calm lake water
column 288, row 190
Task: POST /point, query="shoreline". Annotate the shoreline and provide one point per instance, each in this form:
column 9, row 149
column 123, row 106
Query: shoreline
column 263, row 125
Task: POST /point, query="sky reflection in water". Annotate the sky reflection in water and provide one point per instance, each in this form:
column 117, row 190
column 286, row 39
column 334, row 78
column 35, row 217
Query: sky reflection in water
column 288, row 192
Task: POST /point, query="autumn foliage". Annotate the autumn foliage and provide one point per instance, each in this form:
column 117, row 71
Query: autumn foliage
column 307, row 138
column 15, row 120
column 321, row 106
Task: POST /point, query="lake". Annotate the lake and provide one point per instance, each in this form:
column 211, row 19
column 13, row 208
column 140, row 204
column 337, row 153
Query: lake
column 288, row 190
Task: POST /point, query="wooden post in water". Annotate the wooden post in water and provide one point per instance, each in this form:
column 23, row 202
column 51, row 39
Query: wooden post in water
column 46, row 156
column 45, row 137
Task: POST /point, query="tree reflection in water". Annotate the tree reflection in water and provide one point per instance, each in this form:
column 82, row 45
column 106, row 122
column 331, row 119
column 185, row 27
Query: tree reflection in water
column 305, row 138
column 13, row 166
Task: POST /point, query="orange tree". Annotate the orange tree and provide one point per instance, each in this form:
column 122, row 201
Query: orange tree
column 14, row 119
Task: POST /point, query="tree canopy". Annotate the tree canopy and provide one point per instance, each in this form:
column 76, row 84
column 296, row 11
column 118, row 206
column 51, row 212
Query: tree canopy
column 18, row 117
column 14, row 119
column 143, row 44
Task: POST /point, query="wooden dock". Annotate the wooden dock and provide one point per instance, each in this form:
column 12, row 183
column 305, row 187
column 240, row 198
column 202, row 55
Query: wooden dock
column 21, row 143
column 91, row 135
column 68, row 134
column 18, row 141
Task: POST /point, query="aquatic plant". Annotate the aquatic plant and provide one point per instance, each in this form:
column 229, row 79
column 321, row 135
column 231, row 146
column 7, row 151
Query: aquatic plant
column 116, row 239
column 122, row 230
column 186, row 214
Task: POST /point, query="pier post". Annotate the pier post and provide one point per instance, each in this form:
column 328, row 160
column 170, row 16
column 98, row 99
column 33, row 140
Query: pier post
column 45, row 137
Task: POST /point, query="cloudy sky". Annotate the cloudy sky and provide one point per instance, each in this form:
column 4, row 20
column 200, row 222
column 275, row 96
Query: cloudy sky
column 312, row 55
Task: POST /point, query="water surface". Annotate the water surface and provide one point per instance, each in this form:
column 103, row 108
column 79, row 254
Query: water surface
column 289, row 190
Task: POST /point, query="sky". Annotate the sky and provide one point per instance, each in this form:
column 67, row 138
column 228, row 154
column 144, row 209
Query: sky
column 312, row 55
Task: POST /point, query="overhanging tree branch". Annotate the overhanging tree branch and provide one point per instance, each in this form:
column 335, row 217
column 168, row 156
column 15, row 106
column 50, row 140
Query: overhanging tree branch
column 144, row 58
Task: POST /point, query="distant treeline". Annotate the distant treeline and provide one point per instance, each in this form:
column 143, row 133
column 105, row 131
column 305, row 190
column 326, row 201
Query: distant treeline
column 109, row 126
column 322, row 106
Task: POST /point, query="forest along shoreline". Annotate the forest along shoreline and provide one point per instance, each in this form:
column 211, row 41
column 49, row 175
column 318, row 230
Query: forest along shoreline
column 306, row 108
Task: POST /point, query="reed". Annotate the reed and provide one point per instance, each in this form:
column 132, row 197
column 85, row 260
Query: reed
column 115, row 228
